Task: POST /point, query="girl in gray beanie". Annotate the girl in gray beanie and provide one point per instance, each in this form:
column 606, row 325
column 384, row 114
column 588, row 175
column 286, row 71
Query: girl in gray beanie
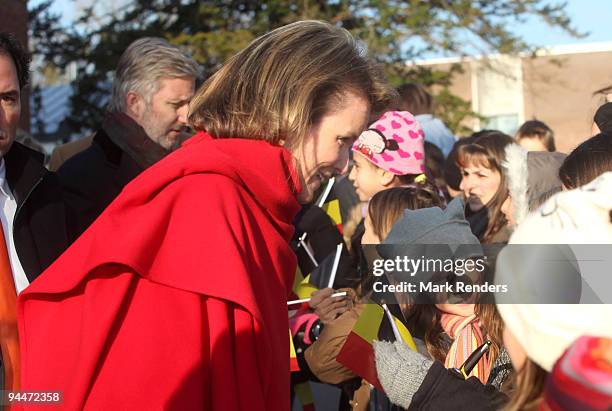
column 452, row 331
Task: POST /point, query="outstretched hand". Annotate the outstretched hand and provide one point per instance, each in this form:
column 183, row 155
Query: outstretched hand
column 401, row 370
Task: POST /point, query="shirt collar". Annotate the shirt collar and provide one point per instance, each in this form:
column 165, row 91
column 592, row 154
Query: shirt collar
column 3, row 183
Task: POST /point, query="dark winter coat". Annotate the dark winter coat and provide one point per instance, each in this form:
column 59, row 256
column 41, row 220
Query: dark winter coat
column 442, row 390
column 92, row 179
column 39, row 226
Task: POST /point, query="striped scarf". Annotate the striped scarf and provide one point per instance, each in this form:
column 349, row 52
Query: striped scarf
column 467, row 336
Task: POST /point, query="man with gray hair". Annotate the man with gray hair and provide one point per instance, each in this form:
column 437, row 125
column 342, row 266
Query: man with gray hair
column 153, row 85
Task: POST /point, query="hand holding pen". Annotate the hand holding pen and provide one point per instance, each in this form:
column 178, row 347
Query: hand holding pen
column 472, row 360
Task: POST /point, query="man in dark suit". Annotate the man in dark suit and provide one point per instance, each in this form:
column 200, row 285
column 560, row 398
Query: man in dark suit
column 153, row 85
column 33, row 222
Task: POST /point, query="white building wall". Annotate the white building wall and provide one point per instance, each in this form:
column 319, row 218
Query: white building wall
column 497, row 92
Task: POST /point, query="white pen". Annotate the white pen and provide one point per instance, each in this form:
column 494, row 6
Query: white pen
column 398, row 336
column 332, row 277
column 305, row 300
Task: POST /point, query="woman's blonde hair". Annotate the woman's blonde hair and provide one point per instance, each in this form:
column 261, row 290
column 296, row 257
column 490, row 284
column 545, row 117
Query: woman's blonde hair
column 281, row 84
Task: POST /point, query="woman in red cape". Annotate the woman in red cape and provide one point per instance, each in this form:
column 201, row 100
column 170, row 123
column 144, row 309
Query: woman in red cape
column 175, row 298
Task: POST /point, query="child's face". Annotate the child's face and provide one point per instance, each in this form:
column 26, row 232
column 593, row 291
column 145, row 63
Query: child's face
column 366, row 177
column 369, row 237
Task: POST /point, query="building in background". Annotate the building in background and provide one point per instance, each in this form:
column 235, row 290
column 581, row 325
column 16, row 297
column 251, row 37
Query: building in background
column 49, row 124
column 556, row 87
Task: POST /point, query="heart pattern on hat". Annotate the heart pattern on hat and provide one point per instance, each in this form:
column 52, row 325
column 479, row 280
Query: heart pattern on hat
column 395, row 142
column 403, row 154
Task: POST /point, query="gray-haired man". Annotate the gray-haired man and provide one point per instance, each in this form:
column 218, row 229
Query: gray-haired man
column 153, row 85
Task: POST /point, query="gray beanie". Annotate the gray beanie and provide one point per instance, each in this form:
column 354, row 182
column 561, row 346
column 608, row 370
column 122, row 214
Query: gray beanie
column 433, row 226
column 430, row 233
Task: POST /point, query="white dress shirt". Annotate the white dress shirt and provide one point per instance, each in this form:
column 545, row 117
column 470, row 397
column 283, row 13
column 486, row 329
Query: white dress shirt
column 8, row 205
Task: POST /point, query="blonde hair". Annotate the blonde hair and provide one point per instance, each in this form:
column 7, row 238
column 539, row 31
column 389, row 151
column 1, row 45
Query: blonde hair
column 283, row 82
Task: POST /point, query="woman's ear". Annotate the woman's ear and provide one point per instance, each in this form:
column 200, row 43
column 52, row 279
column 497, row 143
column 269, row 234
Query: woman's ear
column 387, row 178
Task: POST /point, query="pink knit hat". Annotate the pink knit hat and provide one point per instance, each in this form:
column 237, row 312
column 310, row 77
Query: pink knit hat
column 581, row 380
column 395, row 142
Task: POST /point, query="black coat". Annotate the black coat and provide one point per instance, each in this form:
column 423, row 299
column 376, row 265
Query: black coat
column 39, row 226
column 323, row 237
column 92, row 179
column 442, row 390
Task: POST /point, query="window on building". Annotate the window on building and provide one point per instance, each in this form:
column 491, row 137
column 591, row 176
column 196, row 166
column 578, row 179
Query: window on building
column 507, row 123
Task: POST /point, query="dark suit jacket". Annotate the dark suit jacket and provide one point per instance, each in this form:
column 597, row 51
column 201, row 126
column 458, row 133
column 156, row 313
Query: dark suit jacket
column 39, row 227
column 92, row 179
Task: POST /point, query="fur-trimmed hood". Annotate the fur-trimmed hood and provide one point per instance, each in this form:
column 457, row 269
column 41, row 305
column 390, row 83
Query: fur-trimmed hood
column 532, row 176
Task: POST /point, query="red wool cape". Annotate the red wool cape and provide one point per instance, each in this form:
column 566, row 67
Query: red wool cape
column 175, row 298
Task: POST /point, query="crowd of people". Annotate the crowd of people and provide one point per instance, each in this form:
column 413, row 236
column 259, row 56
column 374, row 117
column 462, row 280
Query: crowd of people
column 156, row 264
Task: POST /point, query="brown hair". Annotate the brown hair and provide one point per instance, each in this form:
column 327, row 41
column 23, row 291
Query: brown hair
column 387, row 207
column 283, row 82
column 538, row 130
column 488, row 150
column 11, row 47
column 434, row 165
column 425, row 321
column 588, row 161
column 414, row 98
column 527, row 387
column 452, row 173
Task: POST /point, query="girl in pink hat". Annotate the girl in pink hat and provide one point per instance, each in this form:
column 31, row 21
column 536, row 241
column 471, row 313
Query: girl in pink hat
column 390, row 153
